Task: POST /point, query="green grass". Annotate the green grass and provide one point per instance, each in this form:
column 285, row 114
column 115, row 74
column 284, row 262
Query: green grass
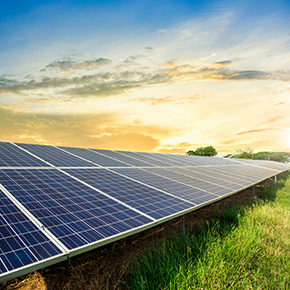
column 243, row 248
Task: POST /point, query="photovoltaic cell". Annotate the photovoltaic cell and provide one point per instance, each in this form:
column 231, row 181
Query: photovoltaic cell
column 55, row 156
column 210, row 175
column 76, row 214
column 167, row 158
column 206, row 160
column 200, row 184
column 146, row 159
column 176, row 160
column 123, row 158
column 93, row 156
column 145, row 199
column 172, row 187
column 223, row 174
column 21, row 242
column 82, row 204
column 11, row 155
column 264, row 163
column 249, row 172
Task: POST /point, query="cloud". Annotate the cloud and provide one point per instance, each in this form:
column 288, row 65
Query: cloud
column 6, row 92
column 43, row 99
column 178, row 100
column 228, row 142
column 189, row 71
column 118, row 81
column 256, row 131
column 179, row 148
column 96, row 85
column 158, row 31
column 132, row 58
column 66, row 65
column 106, row 130
column 186, row 32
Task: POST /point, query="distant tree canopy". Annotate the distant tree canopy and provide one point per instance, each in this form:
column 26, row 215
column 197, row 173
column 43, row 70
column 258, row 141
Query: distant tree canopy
column 203, row 151
column 248, row 153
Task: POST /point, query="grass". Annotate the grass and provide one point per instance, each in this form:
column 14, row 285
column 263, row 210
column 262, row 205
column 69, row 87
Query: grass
column 242, row 248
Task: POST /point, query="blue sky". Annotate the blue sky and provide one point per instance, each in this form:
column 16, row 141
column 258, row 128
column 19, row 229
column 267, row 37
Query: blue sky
column 158, row 76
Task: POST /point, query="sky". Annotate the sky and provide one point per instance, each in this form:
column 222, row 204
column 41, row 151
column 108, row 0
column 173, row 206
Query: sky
column 153, row 76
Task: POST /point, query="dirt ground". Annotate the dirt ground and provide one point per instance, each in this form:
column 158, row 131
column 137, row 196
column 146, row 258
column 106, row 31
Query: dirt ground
column 104, row 267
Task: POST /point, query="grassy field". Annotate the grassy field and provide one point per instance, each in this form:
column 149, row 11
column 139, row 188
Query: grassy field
column 243, row 248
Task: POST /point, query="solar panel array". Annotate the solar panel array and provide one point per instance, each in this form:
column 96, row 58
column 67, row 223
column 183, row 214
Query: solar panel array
column 57, row 202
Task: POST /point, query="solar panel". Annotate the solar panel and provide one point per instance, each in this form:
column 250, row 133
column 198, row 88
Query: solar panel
column 121, row 157
column 264, row 163
column 56, row 202
column 148, row 200
column 166, row 185
column 74, row 213
column 11, row 155
column 168, row 158
column 211, row 175
column 254, row 173
column 208, row 186
column 55, row 156
column 22, row 243
column 141, row 157
column 179, row 159
column 95, row 157
column 206, row 160
column 222, row 173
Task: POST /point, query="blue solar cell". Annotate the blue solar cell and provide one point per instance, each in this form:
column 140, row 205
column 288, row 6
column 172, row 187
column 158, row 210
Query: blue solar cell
column 67, row 205
column 11, row 155
column 19, row 237
column 175, row 188
column 79, row 215
column 94, row 156
column 121, row 157
column 55, row 156
column 212, row 174
column 130, row 192
column 167, row 158
column 144, row 158
column 201, row 184
column 264, row 163
column 246, row 172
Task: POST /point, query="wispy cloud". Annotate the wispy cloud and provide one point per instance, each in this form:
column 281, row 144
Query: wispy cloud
column 178, row 100
column 67, row 65
column 218, row 71
column 116, row 82
column 107, row 130
column 256, row 131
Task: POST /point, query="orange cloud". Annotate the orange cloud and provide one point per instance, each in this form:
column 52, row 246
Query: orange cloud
column 255, row 131
column 178, row 100
column 228, row 142
column 7, row 92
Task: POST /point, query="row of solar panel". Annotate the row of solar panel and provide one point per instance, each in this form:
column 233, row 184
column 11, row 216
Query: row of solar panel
column 47, row 213
column 79, row 215
column 28, row 155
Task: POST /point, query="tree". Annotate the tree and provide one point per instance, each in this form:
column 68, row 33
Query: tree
column 203, row 151
column 283, row 157
column 244, row 153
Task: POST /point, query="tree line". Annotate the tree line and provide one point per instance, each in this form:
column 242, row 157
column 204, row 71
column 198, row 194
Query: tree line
column 247, row 153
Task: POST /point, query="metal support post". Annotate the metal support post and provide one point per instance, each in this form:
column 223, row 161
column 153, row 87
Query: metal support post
column 265, row 186
column 182, row 227
column 275, row 178
column 233, row 204
column 171, row 231
column 254, row 196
